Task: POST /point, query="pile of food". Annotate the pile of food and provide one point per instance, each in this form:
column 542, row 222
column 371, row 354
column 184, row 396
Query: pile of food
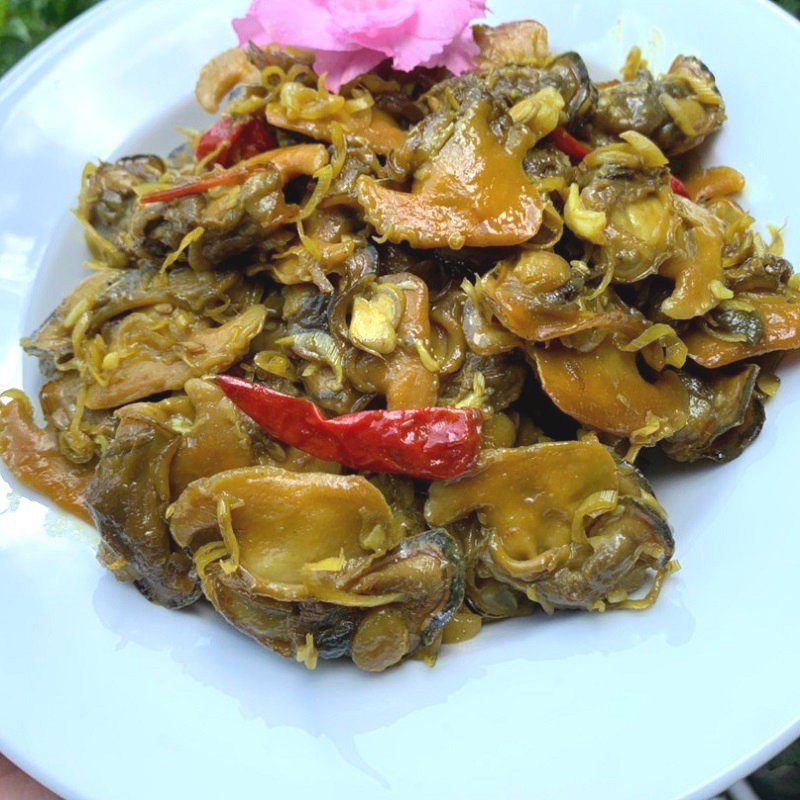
column 365, row 369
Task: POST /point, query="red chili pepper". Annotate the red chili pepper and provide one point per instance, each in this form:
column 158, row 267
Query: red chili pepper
column 569, row 145
column 577, row 151
column 432, row 443
column 235, row 139
column 228, row 178
column 676, row 184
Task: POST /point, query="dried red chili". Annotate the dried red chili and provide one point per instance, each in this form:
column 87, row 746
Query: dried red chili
column 433, row 443
column 235, row 139
column 577, row 151
column 569, row 145
column 228, row 178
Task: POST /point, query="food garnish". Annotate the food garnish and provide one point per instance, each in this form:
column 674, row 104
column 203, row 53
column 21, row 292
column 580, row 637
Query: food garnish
column 431, row 443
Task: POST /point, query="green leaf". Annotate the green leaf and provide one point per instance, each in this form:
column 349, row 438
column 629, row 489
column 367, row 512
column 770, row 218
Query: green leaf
column 16, row 29
column 25, row 23
column 790, row 757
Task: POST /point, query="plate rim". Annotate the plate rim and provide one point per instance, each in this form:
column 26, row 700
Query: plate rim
column 14, row 82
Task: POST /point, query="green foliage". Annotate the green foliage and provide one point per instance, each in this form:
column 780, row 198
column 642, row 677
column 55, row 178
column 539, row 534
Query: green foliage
column 25, row 23
column 792, row 6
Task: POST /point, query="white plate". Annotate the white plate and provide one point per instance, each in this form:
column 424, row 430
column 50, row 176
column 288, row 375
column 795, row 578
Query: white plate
column 106, row 697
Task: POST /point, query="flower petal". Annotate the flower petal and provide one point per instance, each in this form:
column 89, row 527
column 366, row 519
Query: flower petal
column 458, row 56
column 292, row 23
column 343, row 67
column 249, row 29
column 438, row 24
column 385, row 20
column 443, row 20
column 353, row 36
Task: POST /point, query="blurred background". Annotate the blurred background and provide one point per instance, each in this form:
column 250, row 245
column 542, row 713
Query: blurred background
column 25, row 23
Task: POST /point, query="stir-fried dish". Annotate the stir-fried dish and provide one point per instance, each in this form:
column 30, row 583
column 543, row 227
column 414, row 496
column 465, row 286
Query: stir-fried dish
column 366, row 369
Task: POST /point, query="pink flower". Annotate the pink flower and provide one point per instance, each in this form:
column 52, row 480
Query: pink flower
column 351, row 37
